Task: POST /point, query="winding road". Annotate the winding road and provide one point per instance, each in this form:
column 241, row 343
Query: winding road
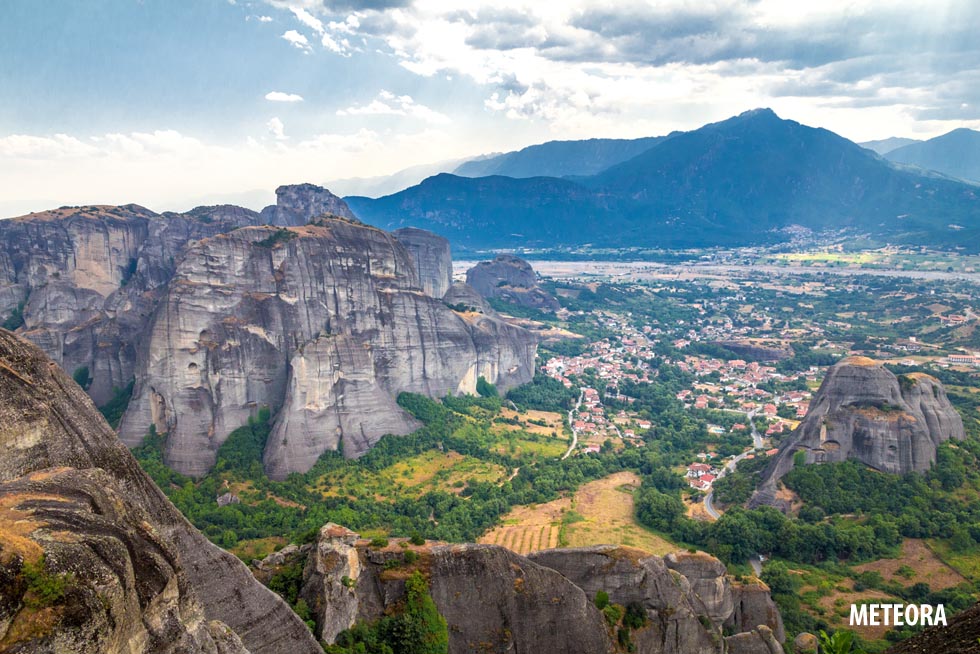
column 757, row 444
column 571, row 448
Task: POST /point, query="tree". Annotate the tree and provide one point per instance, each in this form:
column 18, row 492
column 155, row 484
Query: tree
column 840, row 642
column 485, row 388
column 422, row 630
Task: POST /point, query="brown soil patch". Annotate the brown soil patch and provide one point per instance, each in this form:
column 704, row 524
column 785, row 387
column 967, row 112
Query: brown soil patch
column 606, row 509
column 926, row 566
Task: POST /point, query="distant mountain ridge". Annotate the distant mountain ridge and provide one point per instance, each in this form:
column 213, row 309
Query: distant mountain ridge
column 558, row 158
column 884, row 146
column 741, row 181
column 955, row 153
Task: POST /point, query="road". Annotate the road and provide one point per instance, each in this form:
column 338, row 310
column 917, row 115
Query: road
column 571, row 448
column 757, row 444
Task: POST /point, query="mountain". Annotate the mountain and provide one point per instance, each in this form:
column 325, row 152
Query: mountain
column 93, row 557
column 375, row 187
column 884, row 146
column 558, row 158
column 208, row 316
column 864, row 412
column 744, row 181
column 956, row 154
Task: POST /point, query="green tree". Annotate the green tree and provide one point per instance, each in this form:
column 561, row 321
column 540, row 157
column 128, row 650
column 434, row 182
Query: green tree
column 840, row 642
column 422, row 630
column 485, row 388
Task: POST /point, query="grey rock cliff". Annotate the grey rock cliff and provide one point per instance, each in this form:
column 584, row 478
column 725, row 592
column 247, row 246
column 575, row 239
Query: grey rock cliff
column 144, row 579
column 433, row 259
column 511, row 279
column 497, row 601
column 89, row 277
column 862, row 411
column 494, row 601
column 680, row 592
column 297, row 204
column 326, row 322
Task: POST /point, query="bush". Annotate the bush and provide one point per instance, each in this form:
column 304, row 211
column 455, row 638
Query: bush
column 81, row 377
column 43, row 588
column 601, row 599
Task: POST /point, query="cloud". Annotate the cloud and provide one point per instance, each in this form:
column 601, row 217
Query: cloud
column 298, row 40
column 276, row 129
column 265, row 19
column 279, row 96
column 389, row 104
column 308, row 19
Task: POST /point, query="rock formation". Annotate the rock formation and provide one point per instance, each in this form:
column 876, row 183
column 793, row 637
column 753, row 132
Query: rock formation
column 464, row 298
column 864, row 412
column 212, row 317
column 326, row 322
column 958, row 637
column 502, row 602
column 678, row 591
column 296, row 204
column 433, row 260
column 77, row 511
column 512, row 280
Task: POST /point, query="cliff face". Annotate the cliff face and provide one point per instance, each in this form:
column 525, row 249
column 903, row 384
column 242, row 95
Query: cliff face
column 89, row 277
column 73, row 501
column 501, row 602
column 680, row 592
column 862, row 411
column 326, row 322
column 433, row 260
column 213, row 323
column 511, row 279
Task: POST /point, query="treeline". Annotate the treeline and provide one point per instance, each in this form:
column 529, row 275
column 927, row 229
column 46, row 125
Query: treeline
column 301, row 508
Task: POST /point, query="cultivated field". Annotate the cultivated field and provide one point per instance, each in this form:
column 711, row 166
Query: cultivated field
column 920, row 564
column 601, row 512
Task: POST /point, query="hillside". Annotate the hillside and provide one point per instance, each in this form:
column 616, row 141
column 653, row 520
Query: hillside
column 558, row 158
column 956, row 153
column 742, row 181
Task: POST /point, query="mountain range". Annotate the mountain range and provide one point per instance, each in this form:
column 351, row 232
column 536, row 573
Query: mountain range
column 956, row 154
column 752, row 179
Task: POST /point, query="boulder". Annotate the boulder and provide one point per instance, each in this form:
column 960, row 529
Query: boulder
column 512, row 280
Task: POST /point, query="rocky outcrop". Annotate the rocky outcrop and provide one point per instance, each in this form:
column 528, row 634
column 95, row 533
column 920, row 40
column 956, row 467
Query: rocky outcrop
column 688, row 596
column 492, row 599
column 957, row 637
column 167, row 302
column 88, row 278
column 512, row 280
column 433, row 260
column 864, row 412
column 502, row 602
column 325, row 324
column 464, row 298
column 135, row 576
column 297, row 204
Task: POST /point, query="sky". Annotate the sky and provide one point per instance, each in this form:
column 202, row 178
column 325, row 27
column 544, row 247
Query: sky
column 177, row 103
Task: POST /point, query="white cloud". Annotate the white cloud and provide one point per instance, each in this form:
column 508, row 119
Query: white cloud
column 279, row 96
column 298, row 40
column 389, row 104
column 265, row 19
column 276, row 129
column 308, row 19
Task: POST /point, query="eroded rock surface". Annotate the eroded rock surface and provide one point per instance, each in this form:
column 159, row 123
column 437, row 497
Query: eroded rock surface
column 433, row 259
column 325, row 324
column 497, row 601
column 297, row 204
column 512, row 280
column 142, row 578
column 864, row 412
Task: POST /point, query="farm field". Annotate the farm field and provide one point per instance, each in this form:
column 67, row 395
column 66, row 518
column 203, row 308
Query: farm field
column 600, row 512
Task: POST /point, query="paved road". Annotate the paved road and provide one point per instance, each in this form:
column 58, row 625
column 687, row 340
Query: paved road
column 757, row 444
column 571, row 448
